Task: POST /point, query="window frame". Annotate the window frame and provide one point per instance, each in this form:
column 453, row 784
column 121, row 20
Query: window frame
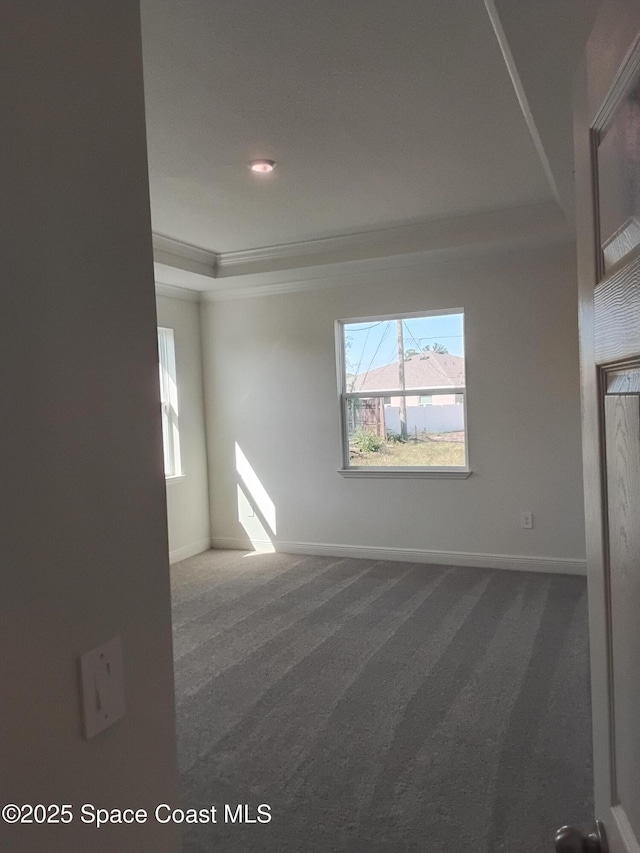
column 347, row 470
column 169, row 409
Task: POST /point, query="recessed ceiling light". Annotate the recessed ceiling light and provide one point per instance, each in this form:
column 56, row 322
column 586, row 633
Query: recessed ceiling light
column 263, row 167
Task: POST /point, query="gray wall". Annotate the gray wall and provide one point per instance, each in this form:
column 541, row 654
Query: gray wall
column 84, row 534
column 187, row 496
column 270, row 369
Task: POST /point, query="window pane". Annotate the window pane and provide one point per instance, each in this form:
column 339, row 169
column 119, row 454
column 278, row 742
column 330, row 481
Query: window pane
column 371, row 356
column 169, row 400
column 405, row 433
column 432, row 349
column 166, row 441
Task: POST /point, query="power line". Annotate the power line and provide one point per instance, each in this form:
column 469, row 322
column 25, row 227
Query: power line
column 366, row 328
column 394, row 347
column 364, row 346
column 434, row 364
column 394, row 352
column 376, row 352
column 412, row 338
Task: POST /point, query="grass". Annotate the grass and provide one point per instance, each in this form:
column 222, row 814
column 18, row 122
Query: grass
column 435, row 450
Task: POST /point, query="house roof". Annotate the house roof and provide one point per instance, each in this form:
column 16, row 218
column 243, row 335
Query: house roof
column 427, row 370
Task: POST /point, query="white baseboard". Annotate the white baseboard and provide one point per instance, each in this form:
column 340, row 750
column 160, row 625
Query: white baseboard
column 189, row 550
column 513, row 562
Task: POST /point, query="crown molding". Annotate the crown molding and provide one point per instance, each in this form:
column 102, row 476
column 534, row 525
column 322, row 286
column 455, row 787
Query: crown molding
column 181, row 266
column 308, row 265
column 388, row 269
column 173, row 292
column 174, row 253
column 544, row 220
column 233, row 290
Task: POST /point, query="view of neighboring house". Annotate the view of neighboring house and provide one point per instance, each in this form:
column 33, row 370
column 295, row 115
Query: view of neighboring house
column 425, row 372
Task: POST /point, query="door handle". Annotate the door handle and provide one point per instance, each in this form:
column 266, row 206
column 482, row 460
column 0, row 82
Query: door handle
column 571, row 840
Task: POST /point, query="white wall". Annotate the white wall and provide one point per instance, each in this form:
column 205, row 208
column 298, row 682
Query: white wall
column 271, row 387
column 84, row 534
column 187, row 496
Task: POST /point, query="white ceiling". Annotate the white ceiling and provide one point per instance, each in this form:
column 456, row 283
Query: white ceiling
column 380, row 113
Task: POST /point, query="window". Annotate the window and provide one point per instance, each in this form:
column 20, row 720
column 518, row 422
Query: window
column 169, row 403
column 402, row 394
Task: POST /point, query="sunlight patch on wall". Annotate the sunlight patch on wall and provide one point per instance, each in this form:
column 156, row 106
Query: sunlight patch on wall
column 256, row 510
column 254, row 528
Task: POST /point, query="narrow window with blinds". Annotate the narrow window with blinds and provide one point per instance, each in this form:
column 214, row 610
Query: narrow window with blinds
column 169, row 403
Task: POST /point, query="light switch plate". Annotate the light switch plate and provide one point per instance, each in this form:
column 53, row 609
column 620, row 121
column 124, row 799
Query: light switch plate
column 102, row 685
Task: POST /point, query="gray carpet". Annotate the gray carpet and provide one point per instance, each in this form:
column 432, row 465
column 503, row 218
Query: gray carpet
column 380, row 706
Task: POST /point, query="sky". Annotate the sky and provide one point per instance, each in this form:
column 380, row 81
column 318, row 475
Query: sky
column 375, row 343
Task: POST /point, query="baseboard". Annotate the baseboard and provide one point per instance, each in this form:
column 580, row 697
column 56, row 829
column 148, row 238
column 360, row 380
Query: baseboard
column 513, row 562
column 189, row 550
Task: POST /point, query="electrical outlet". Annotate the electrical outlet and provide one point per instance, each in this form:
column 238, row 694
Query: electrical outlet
column 102, row 686
column 526, row 520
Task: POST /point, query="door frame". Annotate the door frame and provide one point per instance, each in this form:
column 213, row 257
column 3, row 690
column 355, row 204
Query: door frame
column 612, row 53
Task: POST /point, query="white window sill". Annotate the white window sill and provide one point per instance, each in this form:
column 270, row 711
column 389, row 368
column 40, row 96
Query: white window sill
column 410, row 473
column 174, row 478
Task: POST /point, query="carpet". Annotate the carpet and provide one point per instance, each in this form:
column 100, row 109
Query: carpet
column 379, row 706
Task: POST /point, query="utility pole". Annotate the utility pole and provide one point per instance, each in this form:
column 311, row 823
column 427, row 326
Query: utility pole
column 403, row 399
